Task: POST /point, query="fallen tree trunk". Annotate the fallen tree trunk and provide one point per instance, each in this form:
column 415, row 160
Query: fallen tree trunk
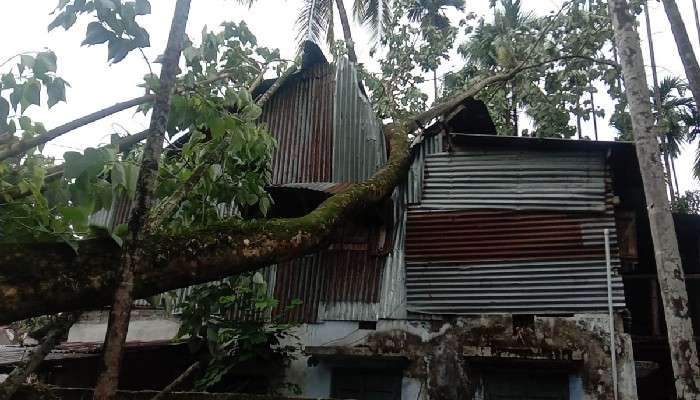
column 44, row 278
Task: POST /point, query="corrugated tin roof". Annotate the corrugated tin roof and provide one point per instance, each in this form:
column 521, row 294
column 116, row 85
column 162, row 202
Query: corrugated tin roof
column 12, row 354
column 359, row 147
column 300, row 116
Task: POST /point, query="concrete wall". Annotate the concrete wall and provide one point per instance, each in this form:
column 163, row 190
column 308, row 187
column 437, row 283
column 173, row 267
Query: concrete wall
column 436, row 352
column 145, row 325
column 438, row 355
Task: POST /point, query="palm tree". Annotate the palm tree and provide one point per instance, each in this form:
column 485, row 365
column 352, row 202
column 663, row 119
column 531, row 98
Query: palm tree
column 431, row 16
column 315, row 20
column 495, row 47
column 431, row 13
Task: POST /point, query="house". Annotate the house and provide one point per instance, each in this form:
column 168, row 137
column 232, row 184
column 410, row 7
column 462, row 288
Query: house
column 484, row 276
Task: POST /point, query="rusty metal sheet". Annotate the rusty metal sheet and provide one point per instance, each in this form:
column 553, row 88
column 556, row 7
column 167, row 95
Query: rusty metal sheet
column 502, row 235
column 359, row 147
column 352, row 276
column 514, row 179
column 300, row 117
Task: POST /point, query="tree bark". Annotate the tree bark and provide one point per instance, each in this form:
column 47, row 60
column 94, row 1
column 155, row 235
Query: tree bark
column 41, row 278
column 54, row 331
column 684, row 356
column 134, row 254
column 697, row 18
column 345, row 23
column 685, row 49
column 595, row 119
column 657, row 99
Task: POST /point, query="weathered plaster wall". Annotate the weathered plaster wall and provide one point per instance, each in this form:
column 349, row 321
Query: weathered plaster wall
column 439, row 353
column 145, row 325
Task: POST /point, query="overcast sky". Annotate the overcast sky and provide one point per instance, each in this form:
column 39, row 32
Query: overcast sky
column 95, row 84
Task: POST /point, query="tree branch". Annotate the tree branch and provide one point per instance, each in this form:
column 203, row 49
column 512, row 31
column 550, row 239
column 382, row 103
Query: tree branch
column 41, row 278
column 178, row 381
column 26, row 144
column 283, row 77
column 53, row 332
column 134, row 255
column 23, row 145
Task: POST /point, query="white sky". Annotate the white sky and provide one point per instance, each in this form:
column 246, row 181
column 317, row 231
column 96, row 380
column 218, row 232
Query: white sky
column 95, row 84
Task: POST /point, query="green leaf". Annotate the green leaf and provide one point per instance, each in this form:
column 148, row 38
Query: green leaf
column 25, row 61
column 25, row 123
column 118, row 176
column 117, row 239
column 16, row 96
column 142, row 7
column 66, row 19
column 61, row 4
column 4, row 110
column 56, row 90
column 44, row 62
column 96, row 34
column 75, row 215
column 74, row 164
column 141, row 38
column 121, row 229
column 106, row 4
column 118, row 48
column 31, row 93
column 8, row 80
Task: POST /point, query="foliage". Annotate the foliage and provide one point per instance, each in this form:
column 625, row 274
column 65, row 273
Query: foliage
column 411, row 50
column 563, row 46
column 315, row 20
column 230, row 324
column 116, row 24
column 212, row 109
column 688, row 203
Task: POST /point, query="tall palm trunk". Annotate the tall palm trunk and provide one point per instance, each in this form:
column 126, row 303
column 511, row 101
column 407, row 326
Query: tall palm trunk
column 594, row 117
column 657, row 99
column 685, row 49
column 347, row 35
column 675, row 177
column 697, row 18
column 684, row 355
column 578, row 119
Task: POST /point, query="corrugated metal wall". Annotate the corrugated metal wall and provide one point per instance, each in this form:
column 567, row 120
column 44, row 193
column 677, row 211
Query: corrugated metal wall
column 359, row 147
column 340, row 284
column 300, row 117
column 518, row 231
column 516, row 180
column 414, row 183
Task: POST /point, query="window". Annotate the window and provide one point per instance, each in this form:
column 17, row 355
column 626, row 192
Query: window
column 366, row 384
column 525, row 386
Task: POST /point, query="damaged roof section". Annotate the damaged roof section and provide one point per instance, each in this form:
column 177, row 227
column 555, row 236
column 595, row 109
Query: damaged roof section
column 324, row 124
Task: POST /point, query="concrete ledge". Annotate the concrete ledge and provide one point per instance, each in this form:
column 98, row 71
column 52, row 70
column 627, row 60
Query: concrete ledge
column 41, row 392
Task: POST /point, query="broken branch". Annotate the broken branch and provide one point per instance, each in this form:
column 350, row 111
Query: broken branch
column 52, row 332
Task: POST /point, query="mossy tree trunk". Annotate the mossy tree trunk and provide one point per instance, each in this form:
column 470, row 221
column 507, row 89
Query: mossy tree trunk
column 42, row 278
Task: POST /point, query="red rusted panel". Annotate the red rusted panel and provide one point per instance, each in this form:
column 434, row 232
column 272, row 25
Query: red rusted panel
column 352, row 276
column 300, row 279
column 300, row 117
column 498, row 235
column 343, row 275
